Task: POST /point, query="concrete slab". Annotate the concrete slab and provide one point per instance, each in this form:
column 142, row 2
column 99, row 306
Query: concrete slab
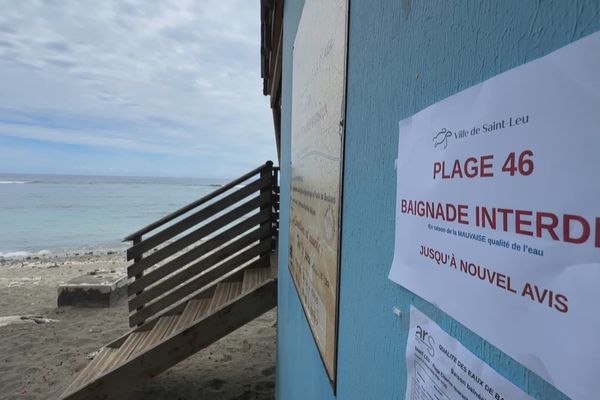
column 100, row 289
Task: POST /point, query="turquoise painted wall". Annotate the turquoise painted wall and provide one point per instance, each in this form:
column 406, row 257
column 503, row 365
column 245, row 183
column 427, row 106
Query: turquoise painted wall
column 403, row 56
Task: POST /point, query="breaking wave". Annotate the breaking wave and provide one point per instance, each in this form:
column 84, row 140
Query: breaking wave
column 24, row 254
column 13, row 182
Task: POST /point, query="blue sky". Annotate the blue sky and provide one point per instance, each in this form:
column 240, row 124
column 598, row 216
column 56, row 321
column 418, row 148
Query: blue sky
column 115, row 87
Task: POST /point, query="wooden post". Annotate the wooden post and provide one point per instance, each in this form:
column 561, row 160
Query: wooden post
column 268, row 170
column 137, row 240
column 275, row 208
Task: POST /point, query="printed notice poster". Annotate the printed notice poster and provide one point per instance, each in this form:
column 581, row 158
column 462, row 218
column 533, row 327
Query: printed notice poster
column 440, row 367
column 498, row 213
column 318, row 88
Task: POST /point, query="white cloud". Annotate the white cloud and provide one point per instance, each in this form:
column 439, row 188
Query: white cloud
column 165, row 77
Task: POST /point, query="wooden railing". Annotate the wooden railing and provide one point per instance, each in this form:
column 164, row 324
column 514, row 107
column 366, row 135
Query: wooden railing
column 177, row 257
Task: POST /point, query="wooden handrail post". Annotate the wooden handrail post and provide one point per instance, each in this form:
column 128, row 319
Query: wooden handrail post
column 137, row 240
column 275, row 207
column 268, row 170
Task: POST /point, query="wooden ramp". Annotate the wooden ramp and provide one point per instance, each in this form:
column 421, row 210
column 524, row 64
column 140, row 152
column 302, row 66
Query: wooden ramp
column 201, row 273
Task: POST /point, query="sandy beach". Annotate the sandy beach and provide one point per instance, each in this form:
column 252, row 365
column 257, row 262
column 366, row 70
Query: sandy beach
column 39, row 360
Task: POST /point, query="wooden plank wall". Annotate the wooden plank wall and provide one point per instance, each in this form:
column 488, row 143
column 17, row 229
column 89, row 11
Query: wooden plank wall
column 271, row 51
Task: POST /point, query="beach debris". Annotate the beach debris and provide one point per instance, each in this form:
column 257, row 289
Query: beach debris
column 97, row 288
column 36, row 280
column 92, row 355
column 24, row 319
column 37, row 319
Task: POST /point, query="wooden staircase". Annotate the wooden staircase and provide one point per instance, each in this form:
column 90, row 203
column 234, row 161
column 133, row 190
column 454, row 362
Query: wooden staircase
column 199, row 278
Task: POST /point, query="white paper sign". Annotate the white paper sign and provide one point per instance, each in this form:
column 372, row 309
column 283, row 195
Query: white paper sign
column 498, row 213
column 439, row 367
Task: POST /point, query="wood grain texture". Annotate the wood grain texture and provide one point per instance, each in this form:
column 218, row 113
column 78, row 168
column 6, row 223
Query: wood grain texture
column 189, row 272
column 189, row 256
column 196, row 284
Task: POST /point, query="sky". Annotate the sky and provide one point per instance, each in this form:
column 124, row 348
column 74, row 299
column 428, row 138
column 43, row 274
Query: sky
column 132, row 87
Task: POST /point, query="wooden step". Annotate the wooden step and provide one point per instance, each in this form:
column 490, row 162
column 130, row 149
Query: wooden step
column 126, row 349
column 107, row 363
column 90, row 370
column 194, row 310
column 225, row 292
column 253, row 277
column 94, row 369
column 163, row 328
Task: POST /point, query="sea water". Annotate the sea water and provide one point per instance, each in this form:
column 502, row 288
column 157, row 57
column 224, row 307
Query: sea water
column 42, row 214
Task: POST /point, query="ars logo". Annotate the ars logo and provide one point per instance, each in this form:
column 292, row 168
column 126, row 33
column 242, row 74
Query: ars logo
column 428, row 341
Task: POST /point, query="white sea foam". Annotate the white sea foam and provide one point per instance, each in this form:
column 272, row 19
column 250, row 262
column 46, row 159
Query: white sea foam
column 13, row 182
column 24, row 254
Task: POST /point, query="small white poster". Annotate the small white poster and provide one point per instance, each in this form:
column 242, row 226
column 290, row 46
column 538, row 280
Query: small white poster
column 498, row 213
column 440, row 368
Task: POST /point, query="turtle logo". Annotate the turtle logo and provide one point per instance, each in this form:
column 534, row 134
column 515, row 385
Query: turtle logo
column 442, row 138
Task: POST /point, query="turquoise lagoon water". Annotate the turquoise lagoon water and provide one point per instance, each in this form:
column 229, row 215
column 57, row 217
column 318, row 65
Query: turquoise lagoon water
column 58, row 214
